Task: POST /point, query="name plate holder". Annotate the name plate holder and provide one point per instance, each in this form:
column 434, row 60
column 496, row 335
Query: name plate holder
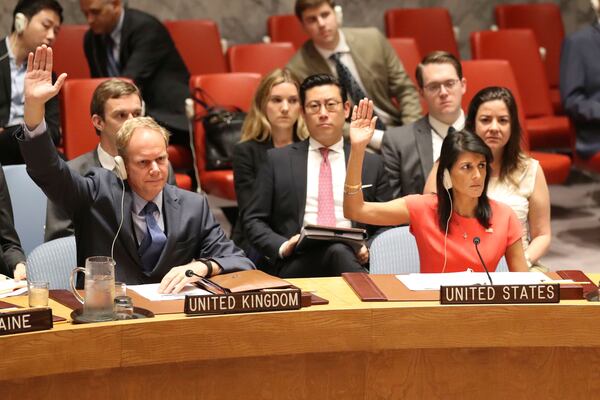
column 244, row 302
column 500, row 294
column 25, row 320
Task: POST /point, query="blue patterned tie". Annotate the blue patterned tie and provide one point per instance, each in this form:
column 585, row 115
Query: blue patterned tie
column 112, row 66
column 351, row 85
column 154, row 241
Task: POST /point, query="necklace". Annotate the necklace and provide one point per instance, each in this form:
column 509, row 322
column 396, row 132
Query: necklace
column 460, row 227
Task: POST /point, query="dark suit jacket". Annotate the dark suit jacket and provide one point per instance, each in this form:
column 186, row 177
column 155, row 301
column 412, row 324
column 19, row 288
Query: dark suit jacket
column 276, row 209
column 408, row 157
column 58, row 221
column 580, row 86
column 11, row 252
column 248, row 157
column 379, row 68
column 191, row 229
column 149, row 57
column 52, row 113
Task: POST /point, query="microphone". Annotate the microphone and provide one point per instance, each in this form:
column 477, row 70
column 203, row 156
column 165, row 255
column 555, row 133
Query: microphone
column 206, row 283
column 189, row 273
column 476, row 241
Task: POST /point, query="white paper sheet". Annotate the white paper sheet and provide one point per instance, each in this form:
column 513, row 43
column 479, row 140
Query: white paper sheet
column 468, row 277
column 150, row 292
column 10, row 287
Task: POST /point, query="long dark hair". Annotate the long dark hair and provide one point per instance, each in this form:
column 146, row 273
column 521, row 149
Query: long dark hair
column 512, row 156
column 454, row 144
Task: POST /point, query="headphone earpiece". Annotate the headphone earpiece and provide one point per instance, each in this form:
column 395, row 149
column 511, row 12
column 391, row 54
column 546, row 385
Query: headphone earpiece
column 120, row 165
column 447, row 180
column 20, row 23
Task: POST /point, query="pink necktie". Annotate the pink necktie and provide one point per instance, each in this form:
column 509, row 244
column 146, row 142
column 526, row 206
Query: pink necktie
column 326, row 208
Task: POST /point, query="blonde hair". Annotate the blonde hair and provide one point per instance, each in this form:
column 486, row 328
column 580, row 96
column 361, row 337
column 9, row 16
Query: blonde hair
column 128, row 128
column 256, row 125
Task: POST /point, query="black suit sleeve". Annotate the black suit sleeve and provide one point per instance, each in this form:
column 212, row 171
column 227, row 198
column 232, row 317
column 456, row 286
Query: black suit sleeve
column 258, row 215
column 216, row 246
column 151, row 49
column 244, row 174
column 392, row 159
column 12, row 253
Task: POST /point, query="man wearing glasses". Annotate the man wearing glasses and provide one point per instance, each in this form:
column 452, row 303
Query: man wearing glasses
column 303, row 183
column 409, row 151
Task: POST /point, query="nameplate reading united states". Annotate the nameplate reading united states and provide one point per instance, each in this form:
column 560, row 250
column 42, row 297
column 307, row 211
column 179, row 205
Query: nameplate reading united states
column 25, row 320
column 231, row 303
column 500, row 294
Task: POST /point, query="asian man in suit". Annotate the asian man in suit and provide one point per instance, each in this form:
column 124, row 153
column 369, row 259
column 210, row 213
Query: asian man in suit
column 303, row 183
column 161, row 231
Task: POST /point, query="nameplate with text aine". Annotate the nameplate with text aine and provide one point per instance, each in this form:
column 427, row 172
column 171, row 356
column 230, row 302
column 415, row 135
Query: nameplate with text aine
column 25, row 320
column 500, row 294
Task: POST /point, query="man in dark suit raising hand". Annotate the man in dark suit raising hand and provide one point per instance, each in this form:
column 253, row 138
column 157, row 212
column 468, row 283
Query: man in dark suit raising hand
column 165, row 230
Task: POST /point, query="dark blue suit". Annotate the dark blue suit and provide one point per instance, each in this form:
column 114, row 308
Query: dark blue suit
column 191, row 229
column 580, row 86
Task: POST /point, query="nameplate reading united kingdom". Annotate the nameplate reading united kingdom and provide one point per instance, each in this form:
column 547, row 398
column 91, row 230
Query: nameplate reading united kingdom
column 25, row 320
column 232, row 303
column 500, row 294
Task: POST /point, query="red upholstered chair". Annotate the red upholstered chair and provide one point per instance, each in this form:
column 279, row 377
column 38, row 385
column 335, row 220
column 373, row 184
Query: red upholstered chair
column 232, row 89
column 286, row 28
column 520, row 48
column 430, row 27
column 483, row 73
column 547, row 24
column 408, row 52
column 199, row 43
column 78, row 132
column 261, row 58
column 68, row 52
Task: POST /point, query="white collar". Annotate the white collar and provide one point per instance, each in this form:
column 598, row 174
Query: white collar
column 442, row 129
column 337, row 147
column 342, row 47
column 139, row 203
column 106, row 160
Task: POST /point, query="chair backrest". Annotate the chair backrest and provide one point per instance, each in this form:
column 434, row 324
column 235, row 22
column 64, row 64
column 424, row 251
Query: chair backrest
column 430, row 27
column 547, row 24
column 394, row 252
column 199, row 44
column 68, row 52
column 408, row 52
column 286, row 28
column 231, row 89
column 28, row 204
column 521, row 49
column 261, row 58
column 483, row 73
column 52, row 262
column 78, row 132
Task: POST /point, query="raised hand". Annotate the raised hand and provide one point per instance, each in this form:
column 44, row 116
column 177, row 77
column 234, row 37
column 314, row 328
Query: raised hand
column 362, row 123
column 38, row 87
column 38, row 79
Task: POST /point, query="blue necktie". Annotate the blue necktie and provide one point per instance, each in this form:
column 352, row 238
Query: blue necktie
column 112, row 66
column 154, row 241
column 351, row 85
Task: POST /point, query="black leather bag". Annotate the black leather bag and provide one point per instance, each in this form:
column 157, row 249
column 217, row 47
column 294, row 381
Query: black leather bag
column 222, row 130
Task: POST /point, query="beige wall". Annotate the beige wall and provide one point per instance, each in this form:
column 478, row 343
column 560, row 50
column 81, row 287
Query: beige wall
column 244, row 21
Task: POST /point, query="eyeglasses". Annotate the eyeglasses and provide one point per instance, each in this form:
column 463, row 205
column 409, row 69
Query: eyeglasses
column 436, row 87
column 314, row 106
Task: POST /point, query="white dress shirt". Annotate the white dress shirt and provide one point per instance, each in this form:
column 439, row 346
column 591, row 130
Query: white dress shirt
column 439, row 130
column 337, row 162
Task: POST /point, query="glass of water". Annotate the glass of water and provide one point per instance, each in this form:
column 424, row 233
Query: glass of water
column 38, row 294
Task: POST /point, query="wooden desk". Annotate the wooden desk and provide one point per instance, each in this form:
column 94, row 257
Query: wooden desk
column 344, row 350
